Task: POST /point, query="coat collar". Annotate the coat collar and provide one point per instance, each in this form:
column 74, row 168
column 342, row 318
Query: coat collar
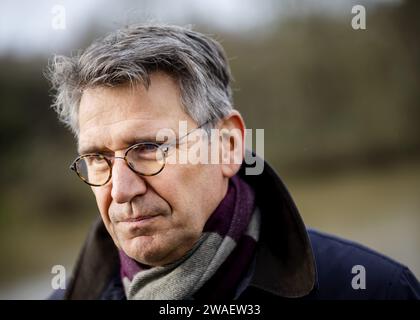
column 285, row 265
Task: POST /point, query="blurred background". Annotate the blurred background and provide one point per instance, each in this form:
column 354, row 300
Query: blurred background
column 340, row 109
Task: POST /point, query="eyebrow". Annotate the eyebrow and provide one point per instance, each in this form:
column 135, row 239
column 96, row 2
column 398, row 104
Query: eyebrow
column 126, row 143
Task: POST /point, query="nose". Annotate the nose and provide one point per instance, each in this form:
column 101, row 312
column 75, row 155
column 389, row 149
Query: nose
column 126, row 184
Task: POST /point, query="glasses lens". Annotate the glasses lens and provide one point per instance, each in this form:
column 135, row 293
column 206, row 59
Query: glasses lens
column 146, row 158
column 94, row 169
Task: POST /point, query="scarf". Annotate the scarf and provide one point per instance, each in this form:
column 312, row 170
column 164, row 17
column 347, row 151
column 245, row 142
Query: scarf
column 214, row 268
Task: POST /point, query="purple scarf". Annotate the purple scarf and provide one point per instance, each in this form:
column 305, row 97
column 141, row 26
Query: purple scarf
column 234, row 228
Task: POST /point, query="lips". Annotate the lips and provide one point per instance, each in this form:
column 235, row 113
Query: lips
column 141, row 218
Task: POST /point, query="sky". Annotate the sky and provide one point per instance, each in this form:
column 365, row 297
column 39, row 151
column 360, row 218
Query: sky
column 27, row 27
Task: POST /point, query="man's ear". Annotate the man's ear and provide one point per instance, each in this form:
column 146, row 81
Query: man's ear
column 231, row 143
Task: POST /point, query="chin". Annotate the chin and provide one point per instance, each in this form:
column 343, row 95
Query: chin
column 147, row 250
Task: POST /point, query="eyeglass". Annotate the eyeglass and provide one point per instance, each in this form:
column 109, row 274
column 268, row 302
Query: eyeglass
column 144, row 158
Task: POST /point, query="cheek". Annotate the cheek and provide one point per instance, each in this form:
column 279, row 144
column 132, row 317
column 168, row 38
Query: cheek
column 195, row 192
column 103, row 201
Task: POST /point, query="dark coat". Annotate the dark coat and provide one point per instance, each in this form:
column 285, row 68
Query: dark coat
column 291, row 261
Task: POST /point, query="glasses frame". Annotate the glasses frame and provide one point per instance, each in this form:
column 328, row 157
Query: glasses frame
column 163, row 147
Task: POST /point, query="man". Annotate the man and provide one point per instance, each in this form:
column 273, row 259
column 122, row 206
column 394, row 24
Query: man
column 203, row 230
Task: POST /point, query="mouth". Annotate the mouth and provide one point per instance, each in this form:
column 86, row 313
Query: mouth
column 139, row 218
column 139, row 221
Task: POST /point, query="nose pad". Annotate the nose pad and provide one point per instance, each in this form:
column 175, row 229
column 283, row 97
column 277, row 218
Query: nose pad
column 126, row 184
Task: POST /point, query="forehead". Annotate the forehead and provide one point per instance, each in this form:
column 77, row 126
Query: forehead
column 111, row 117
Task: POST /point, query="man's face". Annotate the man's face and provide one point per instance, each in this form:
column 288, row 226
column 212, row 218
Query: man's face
column 178, row 201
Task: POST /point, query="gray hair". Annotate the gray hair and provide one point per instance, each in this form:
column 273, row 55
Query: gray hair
column 130, row 55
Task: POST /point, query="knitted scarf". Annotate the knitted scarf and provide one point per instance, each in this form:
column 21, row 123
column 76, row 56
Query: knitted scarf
column 214, row 268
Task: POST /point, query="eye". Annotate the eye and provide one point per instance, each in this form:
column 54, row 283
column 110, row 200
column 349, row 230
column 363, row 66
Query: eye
column 93, row 160
column 144, row 151
column 90, row 167
column 149, row 147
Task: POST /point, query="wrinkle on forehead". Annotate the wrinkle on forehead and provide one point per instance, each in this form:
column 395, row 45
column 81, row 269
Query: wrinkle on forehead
column 104, row 106
column 162, row 97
